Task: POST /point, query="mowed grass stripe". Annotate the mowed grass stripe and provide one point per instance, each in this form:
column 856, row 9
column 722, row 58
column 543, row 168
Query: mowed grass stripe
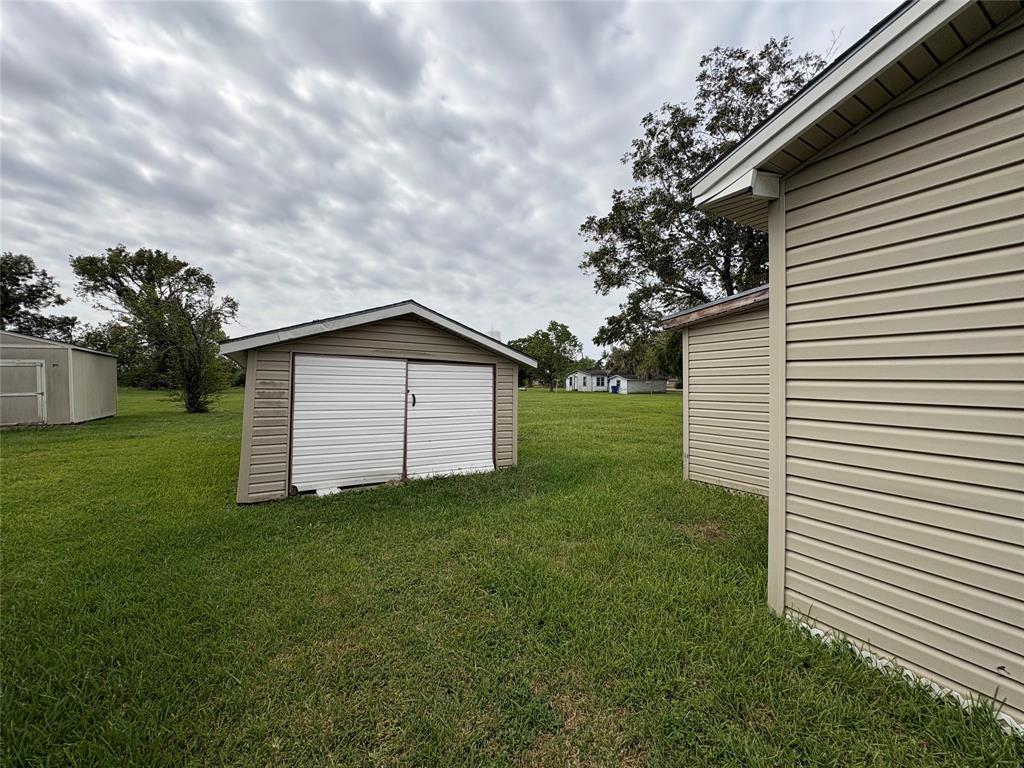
column 586, row 607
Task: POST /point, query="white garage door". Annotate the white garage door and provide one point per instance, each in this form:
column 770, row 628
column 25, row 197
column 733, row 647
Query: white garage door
column 451, row 424
column 348, row 421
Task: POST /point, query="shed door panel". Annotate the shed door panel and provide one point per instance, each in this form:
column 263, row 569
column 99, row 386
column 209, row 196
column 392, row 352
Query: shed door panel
column 22, row 392
column 451, row 426
column 348, row 421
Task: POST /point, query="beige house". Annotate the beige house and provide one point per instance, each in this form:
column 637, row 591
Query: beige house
column 725, row 391
column 388, row 393
column 891, row 191
column 50, row 382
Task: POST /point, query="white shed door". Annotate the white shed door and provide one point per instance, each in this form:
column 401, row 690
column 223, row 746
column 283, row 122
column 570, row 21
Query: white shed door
column 451, row 419
column 348, row 421
column 22, row 392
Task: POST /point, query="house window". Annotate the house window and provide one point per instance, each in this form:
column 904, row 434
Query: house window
column 600, row 381
column 584, row 381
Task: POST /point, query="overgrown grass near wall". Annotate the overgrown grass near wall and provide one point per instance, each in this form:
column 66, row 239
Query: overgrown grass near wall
column 585, row 608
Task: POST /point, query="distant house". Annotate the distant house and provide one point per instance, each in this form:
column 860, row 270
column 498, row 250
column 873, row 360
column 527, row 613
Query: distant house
column 590, row 380
column 620, row 384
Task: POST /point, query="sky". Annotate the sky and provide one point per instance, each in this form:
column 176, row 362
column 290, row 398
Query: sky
column 322, row 158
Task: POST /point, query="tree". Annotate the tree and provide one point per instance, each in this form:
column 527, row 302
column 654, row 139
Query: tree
column 659, row 354
column 171, row 305
column 555, row 349
column 138, row 364
column 586, row 363
column 653, row 242
column 24, row 292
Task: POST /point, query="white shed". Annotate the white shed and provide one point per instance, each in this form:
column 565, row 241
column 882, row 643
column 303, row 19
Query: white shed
column 621, row 384
column 51, row 382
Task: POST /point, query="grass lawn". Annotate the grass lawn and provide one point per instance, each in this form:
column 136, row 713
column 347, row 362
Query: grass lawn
column 586, row 608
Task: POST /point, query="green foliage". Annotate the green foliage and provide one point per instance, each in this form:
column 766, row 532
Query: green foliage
column 653, row 242
column 589, row 608
column 555, row 349
column 138, row 364
column 171, row 307
column 659, row 354
column 24, row 293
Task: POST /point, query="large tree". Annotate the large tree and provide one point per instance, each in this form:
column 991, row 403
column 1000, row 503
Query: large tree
column 171, row 305
column 556, row 350
column 653, row 242
column 658, row 354
column 25, row 292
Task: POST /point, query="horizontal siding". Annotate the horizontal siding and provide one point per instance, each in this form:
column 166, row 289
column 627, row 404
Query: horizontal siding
column 268, row 461
column 506, row 384
column 726, row 441
column 264, row 474
column 904, row 369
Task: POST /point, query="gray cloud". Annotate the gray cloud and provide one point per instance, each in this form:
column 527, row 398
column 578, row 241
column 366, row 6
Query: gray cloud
column 322, row 157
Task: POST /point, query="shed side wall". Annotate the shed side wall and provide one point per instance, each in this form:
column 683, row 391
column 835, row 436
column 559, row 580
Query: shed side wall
column 264, row 475
column 727, row 401
column 95, row 385
column 904, row 379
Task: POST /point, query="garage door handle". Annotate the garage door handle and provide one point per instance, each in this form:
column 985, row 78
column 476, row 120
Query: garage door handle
column 413, row 400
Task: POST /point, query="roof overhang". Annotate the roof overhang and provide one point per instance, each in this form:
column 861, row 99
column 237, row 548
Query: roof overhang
column 742, row 183
column 34, row 342
column 236, row 348
column 729, row 305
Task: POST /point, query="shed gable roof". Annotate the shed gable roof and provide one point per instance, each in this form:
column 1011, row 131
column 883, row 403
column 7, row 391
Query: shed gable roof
column 24, row 341
column 907, row 46
column 233, row 347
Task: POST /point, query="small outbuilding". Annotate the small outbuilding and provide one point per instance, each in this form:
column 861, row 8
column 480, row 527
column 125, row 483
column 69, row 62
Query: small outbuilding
column 890, row 189
column 590, row 380
column 621, row 384
column 51, row 382
column 384, row 394
column 725, row 391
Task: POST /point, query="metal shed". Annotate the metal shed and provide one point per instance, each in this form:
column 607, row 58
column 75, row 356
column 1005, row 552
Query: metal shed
column 50, row 382
column 725, row 391
column 388, row 393
column 890, row 189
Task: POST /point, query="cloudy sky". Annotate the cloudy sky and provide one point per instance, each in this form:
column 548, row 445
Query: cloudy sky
column 319, row 158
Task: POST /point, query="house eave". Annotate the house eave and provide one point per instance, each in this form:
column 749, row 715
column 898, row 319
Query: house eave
column 909, row 25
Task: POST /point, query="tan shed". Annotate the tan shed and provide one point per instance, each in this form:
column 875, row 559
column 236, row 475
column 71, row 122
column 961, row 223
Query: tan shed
column 388, row 393
column 51, row 382
column 892, row 191
column 725, row 391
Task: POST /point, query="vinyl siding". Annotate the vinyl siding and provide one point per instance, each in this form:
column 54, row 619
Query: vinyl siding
column 263, row 472
column 57, row 374
column 95, row 385
column 901, row 370
column 725, row 435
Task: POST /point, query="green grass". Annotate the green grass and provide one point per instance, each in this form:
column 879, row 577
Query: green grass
column 588, row 607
